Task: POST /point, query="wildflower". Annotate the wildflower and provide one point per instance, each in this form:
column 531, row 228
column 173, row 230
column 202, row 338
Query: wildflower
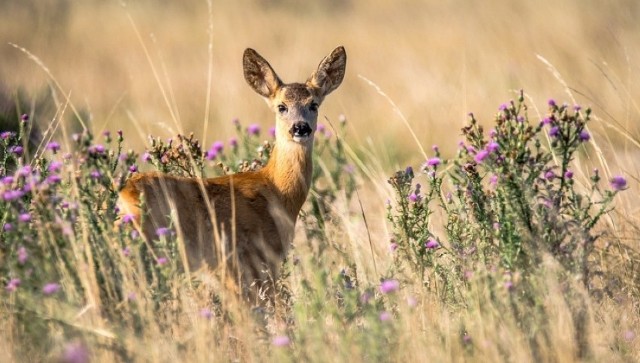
column 568, row 174
column 413, row 197
column 95, row 174
column 466, row 338
column 50, row 288
column 546, row 120
column 385, row 316
column 210, row 154
column 161, row 261
column 18, row 150
column 431, row 244
column 217, row 146
column 618, row 183
column 365, row 297
column 389, row 286
column 23, row 255
column 272, row 131
column 126, row 252
column 133, row 168
column 24, row 117
column 551, row 103
column 520, row 119
column 11, row 195
column 233, row 142
column 128, row 218
column 7, row 180
column 393, row 246
column 253, row 129
column 54, row 179
column 75, row 352
column 493, row 133
column 97, row 149
column 24, row 171
column 235, row 121
column 409, row 171
column 492, row 146
column 584, row 136
column 549, row 175
column 146, row 157
column 206, row 313
column 508, row 285
column 496, row 225
column 53, row 147
column 7, row 227
column 433, row 162
column 6, row 134
column 577, row 108
column 493, row 179
column 281, row 341
column 554, row 131
column 12, row 285
column 481, row 155
column 24, row 217
column 163, row 231
column 55, row 166
column 503, row 107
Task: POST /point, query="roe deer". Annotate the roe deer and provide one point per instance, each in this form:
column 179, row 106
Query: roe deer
column 243, row 223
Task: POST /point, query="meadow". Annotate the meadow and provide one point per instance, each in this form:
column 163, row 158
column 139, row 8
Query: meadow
column 474, row 195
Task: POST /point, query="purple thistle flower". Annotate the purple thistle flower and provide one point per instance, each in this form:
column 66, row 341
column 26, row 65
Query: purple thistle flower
column 54, row 179
column 75, row 352
column 218, row 146
column 481, row 155
column 393, row 246
column 6, row 134
column 365, row 297
column 18, row 150
column 584, row 136
column 162, row 261
column 11, row 195
column 96, row 149
column 7, row 180
column 163, row 231
column 551, row 102
column 24, row 171
column 320, row 128
column 492, row 146
column 568, row 174
column 409, row 171
column 554, row 131
column 272, row 131
column 493, row 133
column 24, row 117
column 23, row 255
column 53, row 147
column 253, row 129
column 50, row 288
column 24, row 217
column 508, row 285
column 385, row 316
column 618, row 183
column 12, row 285
column 413, row 197
column 493, row 179
column 126, row 252
column 281, row 341
column 503, row 107
column 7, row 227
column 233, row 142
column 433, row 162
column 55, row 166
column 210, row 154
column 577, row 108
column 146, row 157
column 133, row 168
column 95, row 174
column 549, row 175
column 389, row 286
column 128, row 218
column 431, row 244
column 546, row 120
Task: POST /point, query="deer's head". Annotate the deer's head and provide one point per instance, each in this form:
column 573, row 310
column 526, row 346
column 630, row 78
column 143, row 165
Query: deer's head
column 295, row 104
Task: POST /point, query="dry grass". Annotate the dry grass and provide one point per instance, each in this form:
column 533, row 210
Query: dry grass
column 144, row 68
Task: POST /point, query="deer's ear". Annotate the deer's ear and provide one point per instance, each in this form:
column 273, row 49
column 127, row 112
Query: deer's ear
column 330, row 72
column 259, row 74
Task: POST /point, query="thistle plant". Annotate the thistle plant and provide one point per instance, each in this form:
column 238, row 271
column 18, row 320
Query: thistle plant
column 508, row 197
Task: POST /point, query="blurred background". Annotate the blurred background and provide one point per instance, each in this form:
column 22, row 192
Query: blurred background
column 143, row 66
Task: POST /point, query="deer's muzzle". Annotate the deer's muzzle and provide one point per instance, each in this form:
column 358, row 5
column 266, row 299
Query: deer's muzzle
column 300, row 130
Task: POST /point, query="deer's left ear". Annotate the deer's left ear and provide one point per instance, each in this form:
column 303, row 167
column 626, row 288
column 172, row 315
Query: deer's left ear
column 259, row 74
column 330, row 72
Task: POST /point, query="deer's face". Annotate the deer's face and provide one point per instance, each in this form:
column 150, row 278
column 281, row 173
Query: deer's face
column 296, row 108
column 295, row 104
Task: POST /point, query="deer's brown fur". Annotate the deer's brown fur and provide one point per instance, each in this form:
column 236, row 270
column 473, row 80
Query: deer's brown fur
column 244, row 221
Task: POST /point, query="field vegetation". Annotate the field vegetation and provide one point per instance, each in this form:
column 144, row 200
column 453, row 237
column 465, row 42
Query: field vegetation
column 475, row 194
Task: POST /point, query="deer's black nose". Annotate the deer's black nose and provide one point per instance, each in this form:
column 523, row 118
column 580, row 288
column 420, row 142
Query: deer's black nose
column 300, row 129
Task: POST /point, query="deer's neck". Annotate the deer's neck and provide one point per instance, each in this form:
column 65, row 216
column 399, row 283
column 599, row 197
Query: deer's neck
column 290, row 168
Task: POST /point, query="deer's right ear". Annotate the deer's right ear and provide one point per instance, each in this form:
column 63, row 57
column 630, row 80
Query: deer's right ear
column 259, row 74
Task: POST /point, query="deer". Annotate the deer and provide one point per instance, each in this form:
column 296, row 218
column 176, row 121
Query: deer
column 243, row 223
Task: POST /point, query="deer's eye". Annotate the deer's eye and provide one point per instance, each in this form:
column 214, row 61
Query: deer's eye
column 282, row 108
column 313, row 107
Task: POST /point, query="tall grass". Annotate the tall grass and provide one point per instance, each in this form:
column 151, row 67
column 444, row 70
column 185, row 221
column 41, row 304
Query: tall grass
column 492, row 255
